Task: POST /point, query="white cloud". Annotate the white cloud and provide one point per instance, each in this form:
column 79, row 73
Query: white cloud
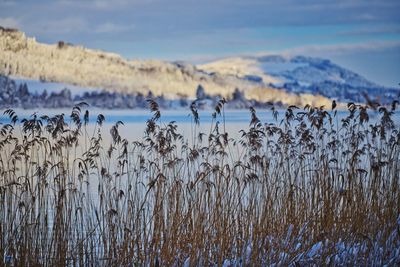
column 65, row 25
column 109, row 27
column 310, row 50
column 372, row 30
column 96, row 4
column 340, row 49
column 101, row 4
column 10, row 22
column 7, row 3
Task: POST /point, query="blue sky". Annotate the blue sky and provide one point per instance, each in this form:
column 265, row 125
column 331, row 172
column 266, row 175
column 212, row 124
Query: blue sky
column 361, row 35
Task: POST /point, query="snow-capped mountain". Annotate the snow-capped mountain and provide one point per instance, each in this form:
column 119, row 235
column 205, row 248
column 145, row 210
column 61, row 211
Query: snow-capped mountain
column 300, row 74
column 23, row 57
column 287, row 80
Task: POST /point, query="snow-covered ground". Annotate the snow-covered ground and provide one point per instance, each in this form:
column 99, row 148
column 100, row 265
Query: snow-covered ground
column 38, row 87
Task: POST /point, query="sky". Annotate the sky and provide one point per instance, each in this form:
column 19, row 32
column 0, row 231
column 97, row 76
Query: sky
column 363, row 36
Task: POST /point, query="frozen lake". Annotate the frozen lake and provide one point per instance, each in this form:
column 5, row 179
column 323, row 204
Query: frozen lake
column 135, row 120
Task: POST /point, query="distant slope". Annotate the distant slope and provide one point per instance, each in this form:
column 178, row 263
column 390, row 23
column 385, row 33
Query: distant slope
column 302, row 75
column 24, row 57
column 243, row 67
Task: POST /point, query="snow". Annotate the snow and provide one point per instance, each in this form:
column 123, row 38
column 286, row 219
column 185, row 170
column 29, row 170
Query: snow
column 37, row 86
column 314, row 250
column 277, row 68
column 187, row 262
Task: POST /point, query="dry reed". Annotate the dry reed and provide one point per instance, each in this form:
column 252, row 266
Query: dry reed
column 309, row 189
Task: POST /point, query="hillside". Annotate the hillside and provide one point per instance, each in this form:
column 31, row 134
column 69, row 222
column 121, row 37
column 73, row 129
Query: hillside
column 304, row 75
column 21, row 56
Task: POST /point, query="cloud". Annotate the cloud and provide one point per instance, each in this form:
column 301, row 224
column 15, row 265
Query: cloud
column 102, row 4
column 97, row 5
column 191, row 27
column 62, row 26
column 7, row 3
column 10, row 22
column 341, row 49
column 110, row 27
column 372, row 30
column 310, row 50
column 367, row 17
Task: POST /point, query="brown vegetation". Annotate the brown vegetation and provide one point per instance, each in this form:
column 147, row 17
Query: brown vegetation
column 307, row 189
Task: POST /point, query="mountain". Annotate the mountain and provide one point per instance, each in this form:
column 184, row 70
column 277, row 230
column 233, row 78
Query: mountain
column 300, row 74
column 297, row 80
column 21, row 56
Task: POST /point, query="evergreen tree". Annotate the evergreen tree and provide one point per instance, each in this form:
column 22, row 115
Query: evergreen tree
column 238, row 95
column 200, row 92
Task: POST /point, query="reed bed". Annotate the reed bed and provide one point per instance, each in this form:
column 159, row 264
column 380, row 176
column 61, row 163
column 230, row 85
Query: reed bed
column 309, row 188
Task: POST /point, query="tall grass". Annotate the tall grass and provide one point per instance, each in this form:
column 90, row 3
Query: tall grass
column 307, row 189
